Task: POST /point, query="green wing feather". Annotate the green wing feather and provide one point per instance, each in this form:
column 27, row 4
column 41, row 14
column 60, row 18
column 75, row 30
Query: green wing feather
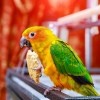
column 67, row 61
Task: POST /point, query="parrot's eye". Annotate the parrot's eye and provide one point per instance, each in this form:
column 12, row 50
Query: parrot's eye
column 31, row 35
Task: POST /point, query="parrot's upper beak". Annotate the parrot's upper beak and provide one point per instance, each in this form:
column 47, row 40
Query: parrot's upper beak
column 24, row 42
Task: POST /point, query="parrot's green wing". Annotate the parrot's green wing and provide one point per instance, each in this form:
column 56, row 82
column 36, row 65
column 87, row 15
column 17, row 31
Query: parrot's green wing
column 67, row 62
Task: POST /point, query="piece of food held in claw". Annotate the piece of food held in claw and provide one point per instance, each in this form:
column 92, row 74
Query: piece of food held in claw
column 59, row 60
column 34, row 65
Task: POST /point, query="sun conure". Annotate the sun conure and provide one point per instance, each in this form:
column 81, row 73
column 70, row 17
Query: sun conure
column 60, row 61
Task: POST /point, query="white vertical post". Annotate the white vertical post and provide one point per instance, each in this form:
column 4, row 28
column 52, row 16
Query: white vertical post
column 88, row 49
column 88, row 36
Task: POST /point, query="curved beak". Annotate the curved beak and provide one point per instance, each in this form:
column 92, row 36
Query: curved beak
column 24, row 42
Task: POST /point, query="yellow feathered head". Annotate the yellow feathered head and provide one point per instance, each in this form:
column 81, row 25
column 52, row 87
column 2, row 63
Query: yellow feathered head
column 36, row 35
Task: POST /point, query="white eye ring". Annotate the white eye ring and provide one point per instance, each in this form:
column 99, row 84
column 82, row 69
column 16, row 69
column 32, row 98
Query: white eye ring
column 32, row 34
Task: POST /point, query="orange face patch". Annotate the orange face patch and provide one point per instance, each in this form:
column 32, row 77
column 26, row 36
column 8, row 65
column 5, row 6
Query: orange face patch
column 40, row 36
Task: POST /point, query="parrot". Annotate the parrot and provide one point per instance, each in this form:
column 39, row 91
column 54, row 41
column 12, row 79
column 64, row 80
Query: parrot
column 61, row 63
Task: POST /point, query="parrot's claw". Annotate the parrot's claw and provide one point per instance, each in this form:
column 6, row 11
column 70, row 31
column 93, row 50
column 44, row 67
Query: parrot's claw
column 52, row 89
column 38, row 68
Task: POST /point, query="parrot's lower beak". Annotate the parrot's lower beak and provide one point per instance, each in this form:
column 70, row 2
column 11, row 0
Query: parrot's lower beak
column 24, row 42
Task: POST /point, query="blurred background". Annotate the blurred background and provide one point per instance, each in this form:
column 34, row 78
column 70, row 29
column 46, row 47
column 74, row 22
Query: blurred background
column 80, row 29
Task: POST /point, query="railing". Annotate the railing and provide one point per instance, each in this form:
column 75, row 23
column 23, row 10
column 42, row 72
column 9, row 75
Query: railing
column 22, row 87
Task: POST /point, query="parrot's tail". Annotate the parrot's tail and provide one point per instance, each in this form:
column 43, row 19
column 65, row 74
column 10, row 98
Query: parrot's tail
column 88, row 90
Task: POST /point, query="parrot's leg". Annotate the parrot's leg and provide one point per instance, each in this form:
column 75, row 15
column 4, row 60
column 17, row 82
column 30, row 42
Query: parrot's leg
column 38, row 69
column 52, row 89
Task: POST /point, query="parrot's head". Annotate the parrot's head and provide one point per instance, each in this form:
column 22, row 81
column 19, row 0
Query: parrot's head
column 36, row 36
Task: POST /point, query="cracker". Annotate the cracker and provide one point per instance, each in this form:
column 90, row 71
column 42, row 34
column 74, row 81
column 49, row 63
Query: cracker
column 34, row 66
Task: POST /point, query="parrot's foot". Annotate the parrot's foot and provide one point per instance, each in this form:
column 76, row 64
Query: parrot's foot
column 39, row 70
column 52, row 89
